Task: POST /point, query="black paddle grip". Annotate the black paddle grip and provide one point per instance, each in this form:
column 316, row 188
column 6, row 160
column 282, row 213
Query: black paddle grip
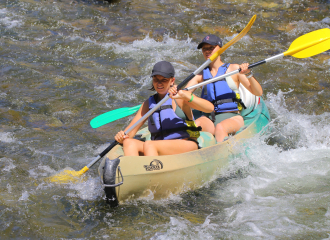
column 254, row 64
column 257, row 64
column 111, row 146
column 184, row 82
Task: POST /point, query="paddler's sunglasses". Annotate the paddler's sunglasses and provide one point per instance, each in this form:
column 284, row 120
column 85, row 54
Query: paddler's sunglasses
column 162, row 80
column 206, row 49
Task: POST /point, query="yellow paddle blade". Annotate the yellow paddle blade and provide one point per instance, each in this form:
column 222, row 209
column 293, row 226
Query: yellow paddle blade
column 66, row 176
column 310, row 44
column 235, row 39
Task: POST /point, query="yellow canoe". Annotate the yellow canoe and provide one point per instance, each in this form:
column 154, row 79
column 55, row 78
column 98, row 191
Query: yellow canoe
column 125, row 177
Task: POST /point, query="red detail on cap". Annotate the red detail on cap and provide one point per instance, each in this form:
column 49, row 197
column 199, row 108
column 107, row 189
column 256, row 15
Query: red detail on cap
column 259, row 101
column 207, row 38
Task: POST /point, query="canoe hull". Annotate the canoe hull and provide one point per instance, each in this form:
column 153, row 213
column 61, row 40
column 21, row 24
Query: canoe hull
column 159, row 177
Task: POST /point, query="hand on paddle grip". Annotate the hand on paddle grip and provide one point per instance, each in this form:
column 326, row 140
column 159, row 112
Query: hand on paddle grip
column 121, row 136
column 181, row 94
column 244, row 69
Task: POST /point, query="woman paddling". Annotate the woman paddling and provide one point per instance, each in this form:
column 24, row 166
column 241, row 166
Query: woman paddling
column 226, row 118
column 172, row 126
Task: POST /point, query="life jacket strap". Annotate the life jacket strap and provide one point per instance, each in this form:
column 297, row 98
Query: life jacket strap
column 164, row 132
column 163, row 107
column 222, row 101
column 229, row 100
column 240, row 101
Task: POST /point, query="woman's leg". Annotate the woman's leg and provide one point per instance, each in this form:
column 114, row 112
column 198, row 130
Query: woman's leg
column 227, row 126
column 206, row 124
column 168, row 147
column 132, row 147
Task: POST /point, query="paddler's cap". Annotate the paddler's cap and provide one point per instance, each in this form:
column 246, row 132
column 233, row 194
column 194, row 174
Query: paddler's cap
column 212, row 40
column 164, row 69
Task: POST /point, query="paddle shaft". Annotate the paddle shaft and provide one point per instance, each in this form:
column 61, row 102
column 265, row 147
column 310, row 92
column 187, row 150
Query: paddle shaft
column 232, row 72
column 102, row 154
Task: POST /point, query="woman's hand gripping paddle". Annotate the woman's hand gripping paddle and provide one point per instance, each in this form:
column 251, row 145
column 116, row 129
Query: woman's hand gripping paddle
column 116, row 114
column 71, row 175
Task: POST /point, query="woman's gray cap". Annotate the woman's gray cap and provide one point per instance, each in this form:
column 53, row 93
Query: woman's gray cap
column 164, row 69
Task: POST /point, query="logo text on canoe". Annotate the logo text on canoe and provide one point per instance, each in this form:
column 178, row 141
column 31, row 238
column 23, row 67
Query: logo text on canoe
column 154, row 165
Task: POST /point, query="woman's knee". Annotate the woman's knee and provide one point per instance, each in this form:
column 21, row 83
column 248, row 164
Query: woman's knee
column 148, row 145
column 230, row 125
column 239, row 120
column 220, row 128
column 129, row 142
column 206, row 124
column 198, row 121
column 150, row 148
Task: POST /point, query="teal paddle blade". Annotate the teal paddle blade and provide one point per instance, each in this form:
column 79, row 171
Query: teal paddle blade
column 113, row 115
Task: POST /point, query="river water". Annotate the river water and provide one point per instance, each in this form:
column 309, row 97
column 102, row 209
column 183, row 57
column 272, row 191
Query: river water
column 64, row 62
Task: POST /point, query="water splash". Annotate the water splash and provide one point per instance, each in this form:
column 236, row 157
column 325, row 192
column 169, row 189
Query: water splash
column 9, row 20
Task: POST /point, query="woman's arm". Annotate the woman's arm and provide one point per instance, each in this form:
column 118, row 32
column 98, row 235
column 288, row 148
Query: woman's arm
column 250, row 83
column 120, row 136
column 189, row 99
column 195, row 80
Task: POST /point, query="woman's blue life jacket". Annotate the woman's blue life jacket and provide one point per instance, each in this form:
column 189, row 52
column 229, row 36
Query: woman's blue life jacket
column 164, row 124
column 219, row 92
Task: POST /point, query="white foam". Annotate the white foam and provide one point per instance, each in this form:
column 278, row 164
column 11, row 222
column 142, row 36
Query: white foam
column 41, row 171
column 327, row 213
column 24, row 197
column 61, row 113
column 276, row 187
column 326, row 20
column 181, row 228
column 172, row 198
column 311, row 131
column 9, row 165
column 7, row 137
column 90, row 189
column 301, row 27
column 9, row 20
column 3, row 95
column 9, row 188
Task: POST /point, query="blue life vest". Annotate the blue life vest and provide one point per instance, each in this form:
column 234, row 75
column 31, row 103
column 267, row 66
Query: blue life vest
column 165, row 124
column 219, row 92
